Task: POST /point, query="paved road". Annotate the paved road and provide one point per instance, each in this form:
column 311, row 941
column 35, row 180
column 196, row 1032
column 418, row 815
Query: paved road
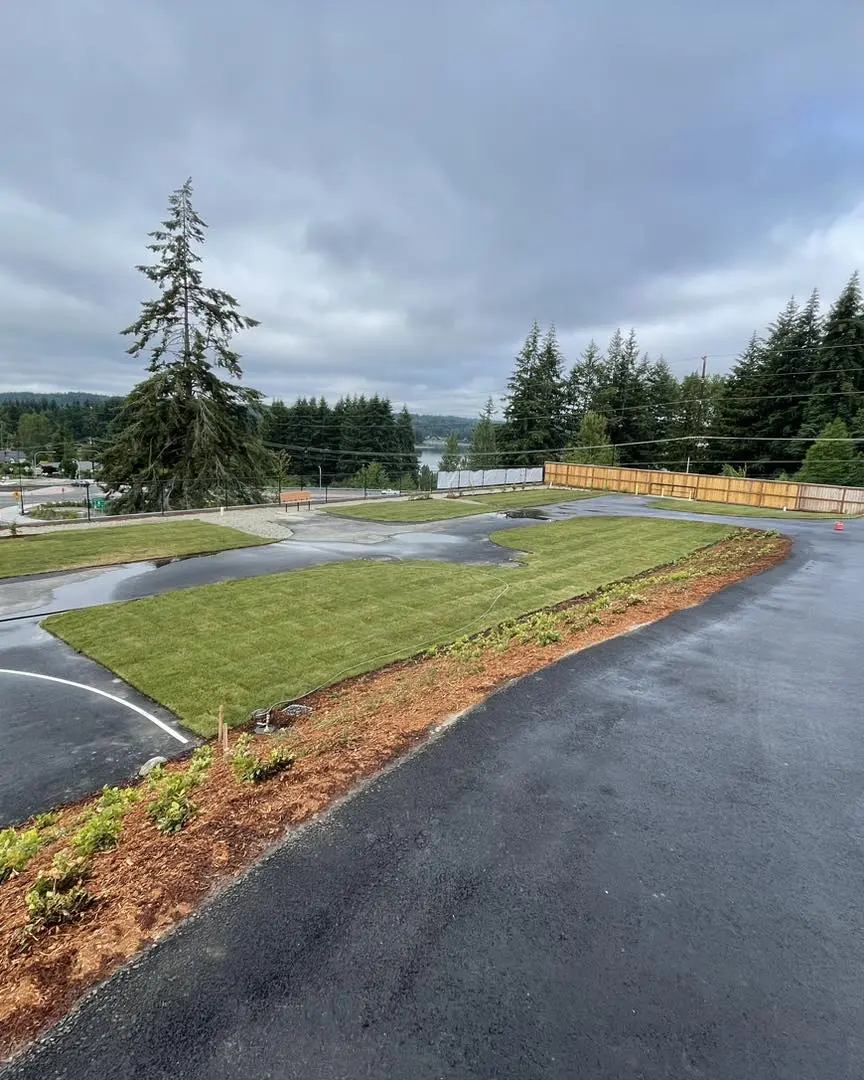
column 647, row 861
column 61, row 737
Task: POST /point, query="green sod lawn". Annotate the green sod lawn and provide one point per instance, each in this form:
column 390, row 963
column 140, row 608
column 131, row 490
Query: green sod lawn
column 249, row 644
column 729, row 510
column 439, row 508
column 103, row 546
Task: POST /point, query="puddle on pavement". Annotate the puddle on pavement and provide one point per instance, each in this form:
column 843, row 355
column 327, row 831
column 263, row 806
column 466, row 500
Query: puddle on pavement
column 536, row 514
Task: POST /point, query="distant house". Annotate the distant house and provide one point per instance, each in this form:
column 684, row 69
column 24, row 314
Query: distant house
column 48, row 468
column 12, row 457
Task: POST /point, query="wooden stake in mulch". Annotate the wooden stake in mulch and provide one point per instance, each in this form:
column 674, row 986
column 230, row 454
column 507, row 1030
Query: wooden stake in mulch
column 224, row 728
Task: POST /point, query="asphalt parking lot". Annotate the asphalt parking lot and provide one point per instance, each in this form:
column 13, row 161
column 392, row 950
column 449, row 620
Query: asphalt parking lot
column 645, row 861
column 68, row 726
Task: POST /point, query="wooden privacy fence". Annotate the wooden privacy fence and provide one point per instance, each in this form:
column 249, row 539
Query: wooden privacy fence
column 771, row 494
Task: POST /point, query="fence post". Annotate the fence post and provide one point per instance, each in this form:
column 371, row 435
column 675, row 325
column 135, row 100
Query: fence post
column 87, row 498
column 162, row 497
column 843, row 501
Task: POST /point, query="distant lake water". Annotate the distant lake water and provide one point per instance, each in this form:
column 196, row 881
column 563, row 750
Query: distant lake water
column 431, row 455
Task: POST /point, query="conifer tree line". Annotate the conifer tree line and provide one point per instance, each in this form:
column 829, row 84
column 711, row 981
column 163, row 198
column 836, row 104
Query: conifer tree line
column 192, row 434
column 800, row 380
column 55, row 429
column 358, row 441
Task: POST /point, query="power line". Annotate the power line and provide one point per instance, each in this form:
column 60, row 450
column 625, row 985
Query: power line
column 698, row 438
column 319, row 425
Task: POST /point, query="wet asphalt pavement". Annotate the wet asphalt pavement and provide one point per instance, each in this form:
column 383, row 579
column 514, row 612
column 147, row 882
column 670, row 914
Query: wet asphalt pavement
column 68, row 741
column 317, row 541
column 60, row 742
column 646, row 861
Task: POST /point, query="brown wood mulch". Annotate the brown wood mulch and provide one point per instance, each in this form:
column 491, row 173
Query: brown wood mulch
column 150, row 880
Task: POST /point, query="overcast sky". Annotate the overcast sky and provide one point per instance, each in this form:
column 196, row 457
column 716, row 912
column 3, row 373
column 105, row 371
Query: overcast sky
column 396, row 188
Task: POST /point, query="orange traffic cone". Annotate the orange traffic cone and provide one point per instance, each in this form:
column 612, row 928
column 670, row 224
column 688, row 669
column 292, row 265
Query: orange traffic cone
column 839, row 526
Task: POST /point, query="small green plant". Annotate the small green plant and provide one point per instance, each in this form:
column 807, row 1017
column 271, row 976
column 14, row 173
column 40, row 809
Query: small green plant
column 45, row 821
column 17, row 849
column 58, row 896
column 251, row 769
column 172, row 807
column 101, row 828
column 200, row 762
column 541, row 629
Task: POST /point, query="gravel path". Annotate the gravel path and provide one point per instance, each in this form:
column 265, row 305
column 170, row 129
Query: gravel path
column 267, row 521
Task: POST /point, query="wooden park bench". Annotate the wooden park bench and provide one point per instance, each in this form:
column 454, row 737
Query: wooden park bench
column 298, row 498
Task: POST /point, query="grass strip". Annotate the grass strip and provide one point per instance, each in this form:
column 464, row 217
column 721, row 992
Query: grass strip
column 104, row 546
column 249, row 644
column 438, row 509
column 729, row 510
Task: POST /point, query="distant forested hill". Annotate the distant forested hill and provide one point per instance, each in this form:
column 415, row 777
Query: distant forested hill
column 433, row 426
column 66, row 397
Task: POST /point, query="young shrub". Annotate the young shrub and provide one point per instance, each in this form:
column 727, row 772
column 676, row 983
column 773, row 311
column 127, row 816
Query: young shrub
column 102, row 827
column 200, row 762
column 59, row 895
column 250, row 769
column 17, row 849
column 541, row 629
column 172, row 806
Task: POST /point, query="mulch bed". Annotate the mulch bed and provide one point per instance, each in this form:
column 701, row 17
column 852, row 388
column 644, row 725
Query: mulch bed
column 150, row 881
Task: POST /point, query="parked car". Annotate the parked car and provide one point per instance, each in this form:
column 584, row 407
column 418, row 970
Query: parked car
column 390, row 491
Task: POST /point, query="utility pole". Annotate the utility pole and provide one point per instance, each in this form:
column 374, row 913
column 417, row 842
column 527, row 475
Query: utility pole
column 20, row 481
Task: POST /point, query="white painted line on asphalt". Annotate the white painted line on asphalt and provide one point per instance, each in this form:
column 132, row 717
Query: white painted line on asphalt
column 102, row 693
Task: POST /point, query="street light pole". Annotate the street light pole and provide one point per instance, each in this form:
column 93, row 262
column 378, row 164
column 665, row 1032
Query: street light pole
column 320, row 479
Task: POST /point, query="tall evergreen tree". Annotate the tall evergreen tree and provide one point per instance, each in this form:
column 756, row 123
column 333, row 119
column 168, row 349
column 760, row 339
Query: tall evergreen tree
column 185, row 436
column 661, row 394
column 790, row 355
column 832, row 458
column 629, row 419
column 592, row 445
column 484, row 441
column 409, row 461
column 451, row 459
column 535, row 406
column 697, row 416
column 837, row 382
column 587, row 386
column 741, row 410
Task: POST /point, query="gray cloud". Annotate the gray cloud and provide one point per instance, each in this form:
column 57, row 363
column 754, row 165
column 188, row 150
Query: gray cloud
column 397, row 190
